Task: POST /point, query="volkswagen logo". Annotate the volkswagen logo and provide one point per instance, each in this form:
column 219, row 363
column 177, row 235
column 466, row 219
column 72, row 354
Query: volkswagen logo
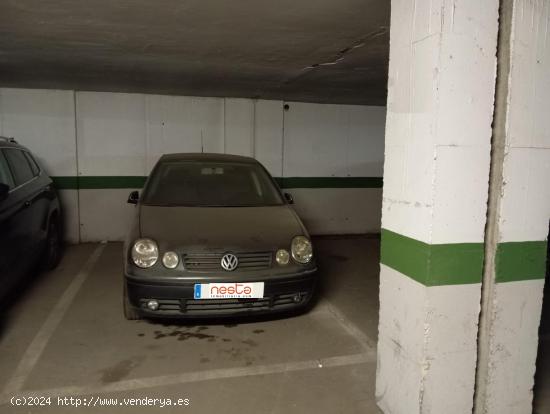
column 229, row 262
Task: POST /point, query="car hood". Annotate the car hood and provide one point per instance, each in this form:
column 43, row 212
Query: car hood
column 220, row 228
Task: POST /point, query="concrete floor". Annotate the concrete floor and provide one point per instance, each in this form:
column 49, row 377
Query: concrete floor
column 66, row 336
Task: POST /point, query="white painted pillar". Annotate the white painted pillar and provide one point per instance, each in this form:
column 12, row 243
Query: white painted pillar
column 519, row 212
column 437, row 157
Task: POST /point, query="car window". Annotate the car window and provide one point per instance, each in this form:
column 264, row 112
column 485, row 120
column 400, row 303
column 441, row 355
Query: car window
column 213, row 184
column 19, row 166
column 5, row 174
column 34, row 166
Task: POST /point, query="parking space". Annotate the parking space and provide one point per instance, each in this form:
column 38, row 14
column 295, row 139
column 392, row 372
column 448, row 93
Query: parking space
column 67, row 337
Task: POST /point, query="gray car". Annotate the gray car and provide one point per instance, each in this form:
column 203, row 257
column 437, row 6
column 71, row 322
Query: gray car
column 214, row 236
column 30, row 218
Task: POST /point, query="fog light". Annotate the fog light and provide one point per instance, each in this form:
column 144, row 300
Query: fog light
column 297, row 298
column 170, row 260
column 282, row 256
column 152, row 305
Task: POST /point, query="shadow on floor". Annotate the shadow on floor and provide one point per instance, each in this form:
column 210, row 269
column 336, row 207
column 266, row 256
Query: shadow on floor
column 18, row 292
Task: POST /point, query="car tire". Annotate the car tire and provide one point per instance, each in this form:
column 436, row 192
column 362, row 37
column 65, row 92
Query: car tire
column 53, row 250
column 130, row 313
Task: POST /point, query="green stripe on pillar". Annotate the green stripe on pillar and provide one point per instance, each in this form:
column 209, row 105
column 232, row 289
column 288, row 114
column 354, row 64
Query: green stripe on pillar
column 432, row 264
column 516, row 261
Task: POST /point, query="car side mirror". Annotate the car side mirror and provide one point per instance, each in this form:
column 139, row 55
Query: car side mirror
column 289, row 198
column 133, row 197
column 4, row 190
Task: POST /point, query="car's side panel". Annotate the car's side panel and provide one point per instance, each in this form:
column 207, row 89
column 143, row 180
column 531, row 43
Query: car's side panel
column 15, row 240
column 40, row 196
column 24, row 218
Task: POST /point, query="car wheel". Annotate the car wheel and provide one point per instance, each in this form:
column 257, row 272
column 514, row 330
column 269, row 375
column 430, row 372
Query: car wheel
column 53, row 249
column 130, row 313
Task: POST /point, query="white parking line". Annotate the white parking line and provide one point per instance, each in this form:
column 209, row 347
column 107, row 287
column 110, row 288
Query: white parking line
column 190, row 377
column 38, row 344
column 367, row 343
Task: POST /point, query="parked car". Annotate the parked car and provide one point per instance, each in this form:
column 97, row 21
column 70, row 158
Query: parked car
column 213, row 235
column 29, row 216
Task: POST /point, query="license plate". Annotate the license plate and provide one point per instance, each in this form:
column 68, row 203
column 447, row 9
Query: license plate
column 252, row 290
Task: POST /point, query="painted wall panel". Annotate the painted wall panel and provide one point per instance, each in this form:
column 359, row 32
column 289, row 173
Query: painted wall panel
column 183, row 124
column 111, row 133
column 105, row 214
column 239, row 126
column 268, row 133
column 365, row 128
column 333, row 140
column 44, row 121
column 315, row 141
column 70, row 211
column 339, row 210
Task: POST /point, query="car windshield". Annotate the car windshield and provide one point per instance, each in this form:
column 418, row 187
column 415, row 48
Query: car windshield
column 210, row 184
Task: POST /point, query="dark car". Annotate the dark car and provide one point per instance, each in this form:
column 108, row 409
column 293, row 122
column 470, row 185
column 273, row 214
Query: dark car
column 29, row 216
column 214, row 236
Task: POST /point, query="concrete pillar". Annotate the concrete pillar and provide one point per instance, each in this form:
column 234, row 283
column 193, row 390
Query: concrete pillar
column 437, row 157
column 519, row 211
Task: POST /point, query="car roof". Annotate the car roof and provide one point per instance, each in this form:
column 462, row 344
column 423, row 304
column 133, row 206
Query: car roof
column 190, row 156
column 6, row 142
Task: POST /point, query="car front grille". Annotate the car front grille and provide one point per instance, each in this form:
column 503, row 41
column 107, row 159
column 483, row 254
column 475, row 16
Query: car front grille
column 205, row 262
column 197, row 307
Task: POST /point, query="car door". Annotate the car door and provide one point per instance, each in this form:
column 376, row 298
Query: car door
column 26, row 226
column 14, row 237
column 40, row 200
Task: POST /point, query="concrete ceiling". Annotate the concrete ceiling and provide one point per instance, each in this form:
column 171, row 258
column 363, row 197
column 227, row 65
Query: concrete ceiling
column 302, row 50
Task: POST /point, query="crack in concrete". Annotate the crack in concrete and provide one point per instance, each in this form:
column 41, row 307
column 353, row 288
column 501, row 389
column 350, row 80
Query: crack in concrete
column 356, row 45
column 340, row 55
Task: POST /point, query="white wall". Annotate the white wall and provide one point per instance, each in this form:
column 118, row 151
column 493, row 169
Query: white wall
column 333, row 140
column 115, row 134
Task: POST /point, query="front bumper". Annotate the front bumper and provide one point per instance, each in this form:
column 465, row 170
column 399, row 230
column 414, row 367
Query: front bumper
column 175, row 298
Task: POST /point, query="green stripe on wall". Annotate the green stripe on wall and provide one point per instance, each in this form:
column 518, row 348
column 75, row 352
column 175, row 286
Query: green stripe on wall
column 100, row 182
column 111, row 182
column 65, row 183
column 432, row 264
column 330, row 182
column 516, row 261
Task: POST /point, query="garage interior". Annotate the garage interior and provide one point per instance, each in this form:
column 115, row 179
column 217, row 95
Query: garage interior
column 414, row 139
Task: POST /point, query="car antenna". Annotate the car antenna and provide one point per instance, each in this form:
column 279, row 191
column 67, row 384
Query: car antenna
column 202, row 144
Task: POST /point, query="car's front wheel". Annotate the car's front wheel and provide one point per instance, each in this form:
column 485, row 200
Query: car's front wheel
column 53, row 249
column 130, row 313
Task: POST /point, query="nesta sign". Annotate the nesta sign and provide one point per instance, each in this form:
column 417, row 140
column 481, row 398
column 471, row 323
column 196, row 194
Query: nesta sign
column 236, row 289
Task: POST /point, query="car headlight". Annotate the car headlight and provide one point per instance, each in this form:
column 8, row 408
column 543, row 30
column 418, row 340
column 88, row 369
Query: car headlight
column 170, row 260
column 302, row 251
column 282, row 257
column 145, row 253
